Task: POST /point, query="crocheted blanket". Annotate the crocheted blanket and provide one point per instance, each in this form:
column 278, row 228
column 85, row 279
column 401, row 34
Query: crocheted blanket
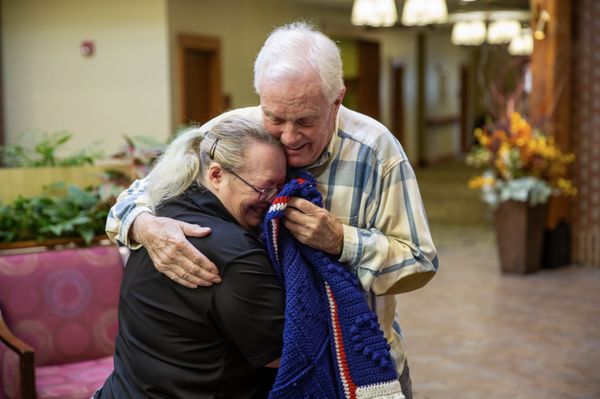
column 332, row 344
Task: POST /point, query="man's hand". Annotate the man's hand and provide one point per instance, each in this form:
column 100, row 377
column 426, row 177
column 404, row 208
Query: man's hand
column 172, row 254
column 314, row 226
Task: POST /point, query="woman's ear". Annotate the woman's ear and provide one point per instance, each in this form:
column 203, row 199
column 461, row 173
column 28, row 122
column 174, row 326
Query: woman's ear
column 215, row 176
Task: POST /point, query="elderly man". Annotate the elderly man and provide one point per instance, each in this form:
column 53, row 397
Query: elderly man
column 373, row 221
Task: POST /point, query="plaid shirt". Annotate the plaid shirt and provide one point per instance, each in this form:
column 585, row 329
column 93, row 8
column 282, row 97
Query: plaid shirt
column 369, row 185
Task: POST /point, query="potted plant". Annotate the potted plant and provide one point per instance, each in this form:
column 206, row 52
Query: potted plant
column 65, row 213
column 62, row 215
column 27, row 169
column 522, row 168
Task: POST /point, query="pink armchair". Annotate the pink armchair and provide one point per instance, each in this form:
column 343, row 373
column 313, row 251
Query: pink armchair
column 58, row 321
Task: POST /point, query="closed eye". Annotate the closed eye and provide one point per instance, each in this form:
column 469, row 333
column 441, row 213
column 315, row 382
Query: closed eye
column 306, row 122
column 275, row 120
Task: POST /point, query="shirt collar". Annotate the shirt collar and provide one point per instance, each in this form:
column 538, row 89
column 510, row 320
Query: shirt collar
column 207, row 202
column 333, row 142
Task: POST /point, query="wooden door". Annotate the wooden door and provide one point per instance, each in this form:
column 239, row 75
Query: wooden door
column 368, row 79
column 200, row 78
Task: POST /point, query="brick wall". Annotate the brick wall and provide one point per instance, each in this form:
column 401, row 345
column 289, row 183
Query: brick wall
column 585, row 108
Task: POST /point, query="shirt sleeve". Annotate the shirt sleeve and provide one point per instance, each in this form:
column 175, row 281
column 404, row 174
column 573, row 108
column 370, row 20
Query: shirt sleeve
column 395, row 253
column 249, row 308
column 130, row 203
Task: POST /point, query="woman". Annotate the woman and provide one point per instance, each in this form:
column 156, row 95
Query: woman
column 211, row 342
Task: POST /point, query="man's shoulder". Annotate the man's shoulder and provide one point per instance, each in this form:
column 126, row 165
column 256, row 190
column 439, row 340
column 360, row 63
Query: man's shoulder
column 365, row 133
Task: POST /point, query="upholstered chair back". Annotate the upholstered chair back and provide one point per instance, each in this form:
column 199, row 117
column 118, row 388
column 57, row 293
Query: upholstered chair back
column 62, row 303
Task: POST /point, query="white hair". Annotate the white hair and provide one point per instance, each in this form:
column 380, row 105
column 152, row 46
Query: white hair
column 192, row 151
column 292, row 50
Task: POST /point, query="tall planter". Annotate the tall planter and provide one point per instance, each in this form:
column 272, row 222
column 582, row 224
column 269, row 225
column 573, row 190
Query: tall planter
column 520, row 236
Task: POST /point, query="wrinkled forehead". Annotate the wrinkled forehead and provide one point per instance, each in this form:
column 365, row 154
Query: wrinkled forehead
column 281, row 71
column 306, row 79
column 292, row 98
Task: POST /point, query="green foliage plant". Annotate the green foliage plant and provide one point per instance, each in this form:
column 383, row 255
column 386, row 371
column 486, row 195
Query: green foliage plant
column 66, row 211
column 77, row 213
column 138, row 154
column 45, row 152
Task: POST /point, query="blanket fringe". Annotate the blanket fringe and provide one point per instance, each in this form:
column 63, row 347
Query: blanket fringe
column 388, row 390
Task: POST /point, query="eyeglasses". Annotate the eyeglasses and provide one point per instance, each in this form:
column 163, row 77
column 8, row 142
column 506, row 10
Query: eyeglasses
column 264, row 194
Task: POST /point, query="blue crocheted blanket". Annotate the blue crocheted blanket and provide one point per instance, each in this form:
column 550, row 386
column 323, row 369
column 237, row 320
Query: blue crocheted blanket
column 332, row 344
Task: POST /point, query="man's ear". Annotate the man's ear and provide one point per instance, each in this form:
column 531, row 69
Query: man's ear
column 340, row 96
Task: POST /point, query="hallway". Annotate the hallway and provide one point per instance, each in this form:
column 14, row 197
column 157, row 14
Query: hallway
column 473, row 333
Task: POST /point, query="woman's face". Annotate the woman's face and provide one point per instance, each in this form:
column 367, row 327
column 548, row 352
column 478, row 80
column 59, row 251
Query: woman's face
column 264, row 169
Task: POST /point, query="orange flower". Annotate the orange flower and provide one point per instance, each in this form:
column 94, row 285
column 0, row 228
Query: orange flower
column 566, row 187
column 520, row 151
column 481, row 181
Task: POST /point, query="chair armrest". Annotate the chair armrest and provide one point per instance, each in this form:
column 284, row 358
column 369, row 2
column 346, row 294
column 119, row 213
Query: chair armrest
column 13, row 342
column 26, row 359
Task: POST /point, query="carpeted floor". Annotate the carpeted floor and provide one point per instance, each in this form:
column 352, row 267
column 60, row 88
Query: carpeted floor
column 473, row 333
column 456, row 214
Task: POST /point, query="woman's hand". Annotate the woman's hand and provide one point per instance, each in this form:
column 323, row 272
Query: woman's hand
column 172, row 254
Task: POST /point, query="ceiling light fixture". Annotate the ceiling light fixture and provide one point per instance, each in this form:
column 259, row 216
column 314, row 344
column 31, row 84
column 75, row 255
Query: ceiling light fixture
column 424, row 12
column 374, row 12
column 522, row 44
column 468, row 33
column 469, row 28
column 503, row 31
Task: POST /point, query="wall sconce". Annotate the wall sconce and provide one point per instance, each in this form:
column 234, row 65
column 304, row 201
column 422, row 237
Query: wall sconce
column 543, row 17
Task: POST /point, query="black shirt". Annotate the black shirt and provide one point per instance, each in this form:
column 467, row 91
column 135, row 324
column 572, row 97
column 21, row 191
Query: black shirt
column 209, row 342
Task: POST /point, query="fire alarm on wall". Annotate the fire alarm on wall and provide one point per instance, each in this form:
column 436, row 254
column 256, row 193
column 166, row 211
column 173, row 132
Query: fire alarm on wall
column 87, row 48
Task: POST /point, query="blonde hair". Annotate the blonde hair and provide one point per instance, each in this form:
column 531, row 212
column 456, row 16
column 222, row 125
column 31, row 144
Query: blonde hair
column 193, row 150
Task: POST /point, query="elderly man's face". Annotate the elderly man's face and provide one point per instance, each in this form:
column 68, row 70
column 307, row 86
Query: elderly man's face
column 297, row 113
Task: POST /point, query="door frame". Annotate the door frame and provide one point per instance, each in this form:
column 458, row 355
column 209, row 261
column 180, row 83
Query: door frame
column 465, row 99
column 2, row 127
